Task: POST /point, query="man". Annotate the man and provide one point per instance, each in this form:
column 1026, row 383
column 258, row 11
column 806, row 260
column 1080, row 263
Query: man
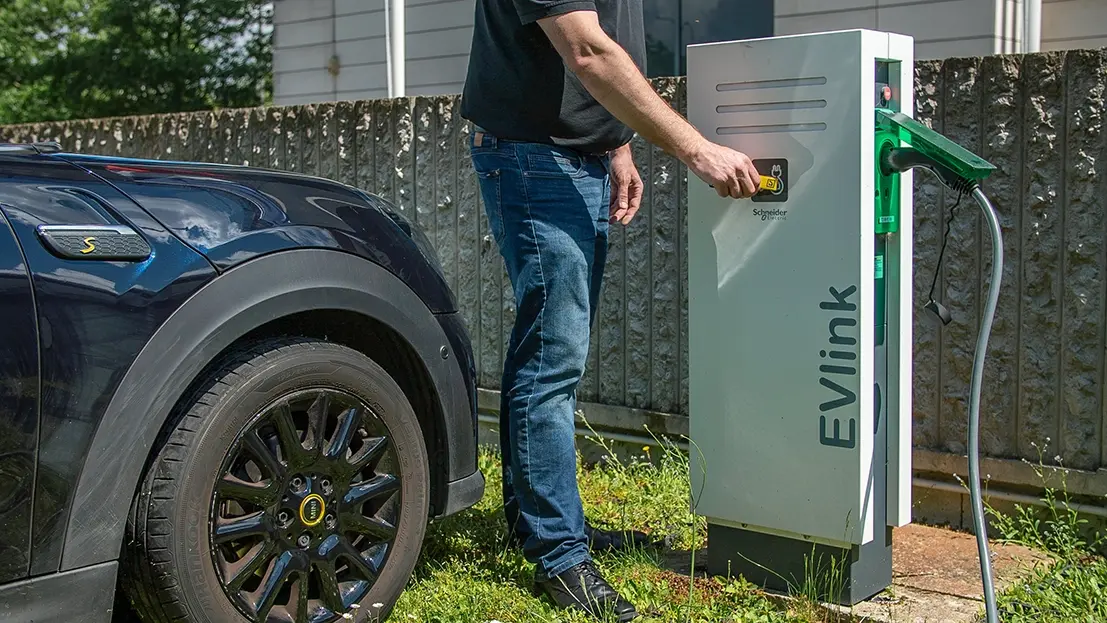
column 556, row 91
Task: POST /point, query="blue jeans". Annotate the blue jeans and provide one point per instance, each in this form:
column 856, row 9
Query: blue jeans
column 548, row 212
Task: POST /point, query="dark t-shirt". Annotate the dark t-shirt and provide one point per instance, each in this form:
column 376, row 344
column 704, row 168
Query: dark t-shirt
column 518, row 86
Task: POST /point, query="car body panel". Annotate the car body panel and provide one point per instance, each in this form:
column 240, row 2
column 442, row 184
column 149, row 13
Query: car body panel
column 19, row 404
column 81, row 596
column 119, row 342
column 232, row 214
column 94, row 318
column 266, row 288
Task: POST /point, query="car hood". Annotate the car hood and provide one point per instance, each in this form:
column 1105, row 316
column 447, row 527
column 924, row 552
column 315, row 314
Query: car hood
column 232, row 214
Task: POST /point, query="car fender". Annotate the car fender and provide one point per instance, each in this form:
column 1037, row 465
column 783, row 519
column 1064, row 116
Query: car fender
column 227, row 308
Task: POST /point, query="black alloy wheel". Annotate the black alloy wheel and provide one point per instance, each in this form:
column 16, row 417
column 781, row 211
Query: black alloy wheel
column 302, row 518
column 292, row 487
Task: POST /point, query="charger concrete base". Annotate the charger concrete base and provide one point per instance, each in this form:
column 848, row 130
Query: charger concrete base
column 800, row 314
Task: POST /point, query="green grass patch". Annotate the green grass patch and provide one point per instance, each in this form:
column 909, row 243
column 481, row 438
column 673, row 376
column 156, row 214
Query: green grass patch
column 469, row 572
column 1069, row 591
column 1072, row 586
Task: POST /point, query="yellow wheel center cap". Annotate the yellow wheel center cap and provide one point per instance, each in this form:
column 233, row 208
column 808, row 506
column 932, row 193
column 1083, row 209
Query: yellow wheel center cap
column 312, row 510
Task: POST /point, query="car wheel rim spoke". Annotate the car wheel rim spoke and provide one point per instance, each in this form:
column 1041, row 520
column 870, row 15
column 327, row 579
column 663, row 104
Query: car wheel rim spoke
column 291, row 445
column 328, row 584
column 379, row 530
column 347, row 428
column 235, row 488
column 359, row 565
column 381, row 485
column 238, row 572
column 306, row 508
column 264, row 454
column 227, row 530
column 299, row 598
column 368, row 454
column 317, row 414
column 271, row 584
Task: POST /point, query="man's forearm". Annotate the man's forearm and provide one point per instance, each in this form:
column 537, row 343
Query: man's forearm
column 615, row 81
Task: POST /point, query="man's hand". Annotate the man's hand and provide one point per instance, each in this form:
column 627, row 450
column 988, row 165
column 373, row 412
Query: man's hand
column 731, row 173
column 626, row 186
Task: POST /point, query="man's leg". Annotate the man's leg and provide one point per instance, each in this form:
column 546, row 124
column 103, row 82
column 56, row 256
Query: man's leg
column 547, row 208
column 550, row 235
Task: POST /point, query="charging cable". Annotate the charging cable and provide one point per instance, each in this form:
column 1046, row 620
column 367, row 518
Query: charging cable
column 900, row 160
column 974, row 405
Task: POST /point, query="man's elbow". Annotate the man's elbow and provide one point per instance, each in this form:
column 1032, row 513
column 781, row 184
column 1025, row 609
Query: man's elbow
column 586, row 60
column 582, row 44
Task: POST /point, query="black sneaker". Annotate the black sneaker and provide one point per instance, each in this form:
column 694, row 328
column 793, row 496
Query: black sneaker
column 583, row 588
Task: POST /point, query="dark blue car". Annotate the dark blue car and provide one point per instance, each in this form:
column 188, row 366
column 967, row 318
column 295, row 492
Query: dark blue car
column 233, row 394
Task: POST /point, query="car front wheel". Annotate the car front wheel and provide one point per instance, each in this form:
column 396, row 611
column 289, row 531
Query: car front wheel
column 292, row 487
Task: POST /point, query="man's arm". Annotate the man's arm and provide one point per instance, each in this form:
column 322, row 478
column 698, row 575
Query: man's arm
column 610, row 75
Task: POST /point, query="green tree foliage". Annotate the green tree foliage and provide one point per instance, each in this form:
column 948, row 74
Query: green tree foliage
column 68, row 59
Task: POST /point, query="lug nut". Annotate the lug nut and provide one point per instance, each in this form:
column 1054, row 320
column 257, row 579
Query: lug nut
column 326, row 484
column 283, row 518
column 330, row 522
column 304, row 540
column 297, row 483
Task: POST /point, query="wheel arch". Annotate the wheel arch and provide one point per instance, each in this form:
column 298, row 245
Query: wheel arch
column 263, row 297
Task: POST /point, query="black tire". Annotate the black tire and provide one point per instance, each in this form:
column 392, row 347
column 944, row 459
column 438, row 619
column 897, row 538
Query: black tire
column 170, row 566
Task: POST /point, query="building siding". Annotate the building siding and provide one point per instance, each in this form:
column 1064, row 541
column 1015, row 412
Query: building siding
column 1069, row 24
column 439, row 34
column 308, row 33
column 941, row 28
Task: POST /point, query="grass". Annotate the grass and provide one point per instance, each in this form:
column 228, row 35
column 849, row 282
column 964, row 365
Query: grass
column 1072, row 586
column 469, row 573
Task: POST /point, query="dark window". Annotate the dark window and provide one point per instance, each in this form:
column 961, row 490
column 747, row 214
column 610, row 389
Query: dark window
column 672, row 25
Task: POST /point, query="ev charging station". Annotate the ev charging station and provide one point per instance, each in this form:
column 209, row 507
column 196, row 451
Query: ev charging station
column 800, row 306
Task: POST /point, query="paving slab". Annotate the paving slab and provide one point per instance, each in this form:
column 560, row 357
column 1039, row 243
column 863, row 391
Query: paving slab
column 936, row 577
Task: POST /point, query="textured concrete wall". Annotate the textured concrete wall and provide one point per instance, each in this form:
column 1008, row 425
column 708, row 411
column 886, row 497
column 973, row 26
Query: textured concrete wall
column 1039, row 118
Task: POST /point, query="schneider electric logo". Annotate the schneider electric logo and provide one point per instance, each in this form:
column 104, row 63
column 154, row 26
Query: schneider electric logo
column 776, row 214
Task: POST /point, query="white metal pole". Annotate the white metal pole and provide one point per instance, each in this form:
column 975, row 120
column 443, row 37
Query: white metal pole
column 1032, row 19
column 396, row 28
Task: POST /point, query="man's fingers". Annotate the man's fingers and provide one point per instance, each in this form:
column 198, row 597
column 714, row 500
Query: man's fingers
column 619, row 199
column 755, row 178
column 749, row 189
column 634, row 201
column 636, row 191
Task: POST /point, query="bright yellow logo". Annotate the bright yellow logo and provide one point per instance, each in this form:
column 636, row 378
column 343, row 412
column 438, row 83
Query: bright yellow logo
column 312, row 510
column 90, row 247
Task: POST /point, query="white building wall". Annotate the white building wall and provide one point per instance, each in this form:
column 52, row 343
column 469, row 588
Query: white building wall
column 1068, row 24
column 941, row 28
column 308, row 33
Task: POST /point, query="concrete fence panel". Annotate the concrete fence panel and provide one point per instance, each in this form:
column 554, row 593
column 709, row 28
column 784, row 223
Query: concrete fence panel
column 1039, row 118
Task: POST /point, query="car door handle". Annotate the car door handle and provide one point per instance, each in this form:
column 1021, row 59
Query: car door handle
column 94, row 242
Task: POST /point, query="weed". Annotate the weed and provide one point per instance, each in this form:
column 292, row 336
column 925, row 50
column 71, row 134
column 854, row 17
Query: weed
column 1072, row 586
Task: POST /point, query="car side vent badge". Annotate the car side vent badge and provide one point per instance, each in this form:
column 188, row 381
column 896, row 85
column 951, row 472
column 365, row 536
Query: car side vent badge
column 94, row 242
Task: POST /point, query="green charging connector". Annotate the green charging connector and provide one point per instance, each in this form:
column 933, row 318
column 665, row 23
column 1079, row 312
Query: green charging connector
column 931, row 147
